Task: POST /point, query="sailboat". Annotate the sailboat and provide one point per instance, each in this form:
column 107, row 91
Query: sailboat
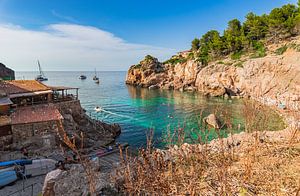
column 95, row 78
column 41, row 76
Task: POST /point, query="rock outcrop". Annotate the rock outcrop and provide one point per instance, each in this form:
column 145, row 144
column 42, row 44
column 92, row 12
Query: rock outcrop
column 273, row 79
column 212, row 120
column 76, row 121
column 6, row 73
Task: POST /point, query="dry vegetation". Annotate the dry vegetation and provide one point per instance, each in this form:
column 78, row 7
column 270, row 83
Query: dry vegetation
column 253, row 163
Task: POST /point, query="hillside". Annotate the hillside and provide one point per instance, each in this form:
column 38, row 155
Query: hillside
column 257, row 58
column 273, row 79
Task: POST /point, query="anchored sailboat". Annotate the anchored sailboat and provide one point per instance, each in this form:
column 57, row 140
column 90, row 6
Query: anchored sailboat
column 41, row 76
column 95, row 78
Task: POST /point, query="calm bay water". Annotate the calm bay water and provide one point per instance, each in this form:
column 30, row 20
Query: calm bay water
column 138, row 110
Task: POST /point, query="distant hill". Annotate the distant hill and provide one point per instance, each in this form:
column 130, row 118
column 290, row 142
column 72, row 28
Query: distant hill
column 6, row 73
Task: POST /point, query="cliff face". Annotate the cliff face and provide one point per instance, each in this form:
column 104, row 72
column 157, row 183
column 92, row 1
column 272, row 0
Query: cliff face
column 273, row 79
column 6, row 73
column 76, row 121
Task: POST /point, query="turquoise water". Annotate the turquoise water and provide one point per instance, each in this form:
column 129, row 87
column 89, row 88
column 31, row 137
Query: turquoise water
column 139, row 110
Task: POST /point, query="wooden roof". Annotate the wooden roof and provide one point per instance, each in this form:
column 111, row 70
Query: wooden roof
column 22, row 86
column 35, row 114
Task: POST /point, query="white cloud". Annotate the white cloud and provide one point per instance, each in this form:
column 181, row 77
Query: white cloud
column 63, row 17
column 70, row 47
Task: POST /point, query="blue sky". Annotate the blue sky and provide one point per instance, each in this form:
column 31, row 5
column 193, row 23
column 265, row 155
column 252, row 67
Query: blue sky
column 109, row 34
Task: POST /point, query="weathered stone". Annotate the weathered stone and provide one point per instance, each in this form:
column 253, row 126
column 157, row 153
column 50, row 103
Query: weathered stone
column 272, row 79
column 212, row 120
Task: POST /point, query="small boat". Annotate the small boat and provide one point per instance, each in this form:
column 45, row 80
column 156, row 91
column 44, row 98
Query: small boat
column 97, row 81
column 98, row 109
column 82, row 77
column 101, row 152
column 21, row 162
column 7, row 177
column 40, row 167
column 41, row 77
column 95, row 76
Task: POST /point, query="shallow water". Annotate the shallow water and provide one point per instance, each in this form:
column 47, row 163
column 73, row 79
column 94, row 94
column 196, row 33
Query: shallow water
column 139, row 110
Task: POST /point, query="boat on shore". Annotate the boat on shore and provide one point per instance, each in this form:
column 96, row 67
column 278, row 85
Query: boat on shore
column 40, row 167
column 41, row 77
column 11, row 171
column 7, row 178
column 21, row 162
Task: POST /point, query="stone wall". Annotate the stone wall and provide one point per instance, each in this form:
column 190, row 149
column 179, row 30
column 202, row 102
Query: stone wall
column 41, row 135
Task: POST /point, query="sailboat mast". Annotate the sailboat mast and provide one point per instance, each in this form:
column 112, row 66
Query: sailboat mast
column 40, row 69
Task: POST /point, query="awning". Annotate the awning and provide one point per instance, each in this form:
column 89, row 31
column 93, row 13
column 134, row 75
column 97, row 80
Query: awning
column 60, row 88
column 5, row 101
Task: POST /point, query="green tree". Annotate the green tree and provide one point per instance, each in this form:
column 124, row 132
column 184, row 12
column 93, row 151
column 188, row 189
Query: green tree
column 255, row 27
column 232, row 36
column 195, row 44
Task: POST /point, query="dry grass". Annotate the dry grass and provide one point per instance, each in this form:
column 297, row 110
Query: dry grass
column 83, row 160
column 245, row 164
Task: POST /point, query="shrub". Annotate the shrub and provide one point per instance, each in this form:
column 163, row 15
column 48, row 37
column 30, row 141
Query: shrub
column 259, row 50
column 175, row 60
column 236, row 55
column 281, row 50
column 239, row 64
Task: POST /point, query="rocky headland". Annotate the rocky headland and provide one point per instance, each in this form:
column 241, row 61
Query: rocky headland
column 273, row 79
column 6, row 73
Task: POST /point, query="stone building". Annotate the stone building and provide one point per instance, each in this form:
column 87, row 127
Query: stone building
column 28, row 113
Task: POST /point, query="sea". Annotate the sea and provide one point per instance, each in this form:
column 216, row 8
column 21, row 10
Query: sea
column 160, row 114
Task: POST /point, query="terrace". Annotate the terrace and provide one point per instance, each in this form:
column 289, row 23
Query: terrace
column 62, row 93
column 31, row 92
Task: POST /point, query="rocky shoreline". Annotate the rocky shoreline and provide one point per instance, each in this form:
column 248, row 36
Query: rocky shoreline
column 273, row 80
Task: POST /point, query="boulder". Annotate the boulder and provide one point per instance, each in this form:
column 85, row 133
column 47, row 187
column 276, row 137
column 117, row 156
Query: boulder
column 212, row 120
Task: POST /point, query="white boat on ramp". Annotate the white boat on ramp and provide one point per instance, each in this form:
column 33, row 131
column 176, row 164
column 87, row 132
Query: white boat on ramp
column 40, row 167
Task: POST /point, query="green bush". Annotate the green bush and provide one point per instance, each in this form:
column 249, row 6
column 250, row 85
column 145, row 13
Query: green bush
column 174, row 61
column 239, row 64
column 236, row 55
column 281, row 50
column 259, row 50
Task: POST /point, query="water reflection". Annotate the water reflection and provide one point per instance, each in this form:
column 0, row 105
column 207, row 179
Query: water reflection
column 169, row 110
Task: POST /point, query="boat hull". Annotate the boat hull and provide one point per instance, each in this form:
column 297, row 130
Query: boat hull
column 40, row 167
column 6, row 164
column 7, row 177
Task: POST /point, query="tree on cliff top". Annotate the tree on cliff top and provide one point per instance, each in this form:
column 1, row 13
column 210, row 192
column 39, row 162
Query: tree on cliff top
column 237, row 37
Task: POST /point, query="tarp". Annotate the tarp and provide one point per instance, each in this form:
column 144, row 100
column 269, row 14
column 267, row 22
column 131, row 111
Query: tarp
column 15, row 162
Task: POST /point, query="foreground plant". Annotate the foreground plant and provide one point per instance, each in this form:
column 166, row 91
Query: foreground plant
column 252, row 163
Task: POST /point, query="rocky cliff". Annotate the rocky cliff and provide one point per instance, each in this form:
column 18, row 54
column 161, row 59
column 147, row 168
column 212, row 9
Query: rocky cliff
column 76, row 121
column 6, row 73
column 273, row 79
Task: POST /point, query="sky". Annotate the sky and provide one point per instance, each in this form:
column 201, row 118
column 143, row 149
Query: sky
column 109, row 35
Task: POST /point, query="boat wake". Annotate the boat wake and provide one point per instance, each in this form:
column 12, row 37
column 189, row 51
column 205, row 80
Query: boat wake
column 119, row 115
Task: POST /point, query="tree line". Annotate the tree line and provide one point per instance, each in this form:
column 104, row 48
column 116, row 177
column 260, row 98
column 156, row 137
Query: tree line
column 250, row 35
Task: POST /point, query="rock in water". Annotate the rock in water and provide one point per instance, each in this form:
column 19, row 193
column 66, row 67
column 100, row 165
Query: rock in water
column 212, row 120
